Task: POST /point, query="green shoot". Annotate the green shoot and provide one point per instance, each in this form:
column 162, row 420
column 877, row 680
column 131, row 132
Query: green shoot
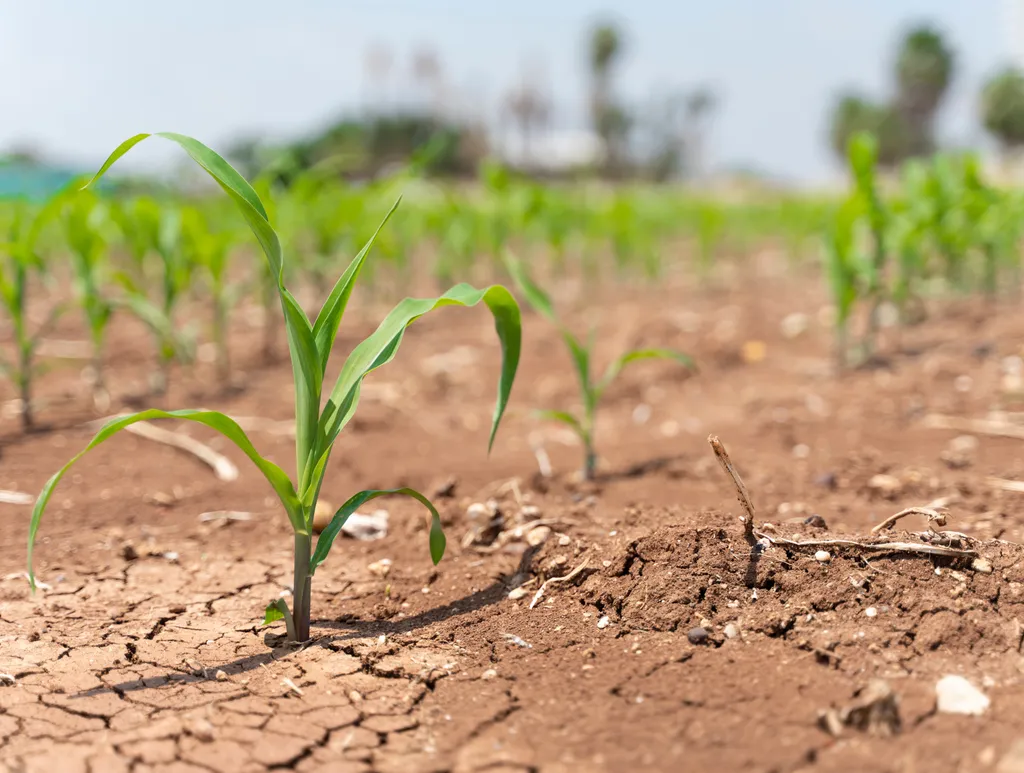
column 317, row 423
column 591, row 390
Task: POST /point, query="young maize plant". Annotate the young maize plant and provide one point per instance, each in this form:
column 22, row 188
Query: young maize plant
column 84, row 221
column 18, row 261
column 842, row 265
column 591, row 391
column 317, row 424
column 210, row 250
column 149, row 229
column 863, row 157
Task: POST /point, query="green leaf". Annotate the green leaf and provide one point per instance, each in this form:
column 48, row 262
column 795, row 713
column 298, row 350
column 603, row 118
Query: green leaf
column 534, row 295
column 325, row 329
column 565, row 418
column 381, row 346
column 328, row 535
column 642, row 354
column 307, row 369
column 278, row 610
column 226, row 426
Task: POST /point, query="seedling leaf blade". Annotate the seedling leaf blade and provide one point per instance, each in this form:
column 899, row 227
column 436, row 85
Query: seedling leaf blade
column 226, row 426
column 643, row 354
column 566, row 418
column 535, row 296
column 278, row 610
column 380, row 347
column 328, row 535
column 325, row 329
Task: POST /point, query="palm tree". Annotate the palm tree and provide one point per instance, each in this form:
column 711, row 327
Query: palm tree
column 924, row 70
column 1002, row 107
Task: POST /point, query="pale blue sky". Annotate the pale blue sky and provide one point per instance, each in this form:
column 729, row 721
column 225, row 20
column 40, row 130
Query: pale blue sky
column 78, row 77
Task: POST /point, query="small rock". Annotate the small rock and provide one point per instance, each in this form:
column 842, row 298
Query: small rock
column 529, row 513
column 888, row 486
column 129, row 553
column 960, row 452
column 697, row 636
column 564, row 541
column 367, row 527
column 827, row 480
column 7, row 680
column 478, row 510
column 982, row 565
column 871, row 612
column 538, row 535
column 958, row 696
column 200, row 729
column 816, row 521
column 731, row 631
column 794, row 324
column 873, row 710
column 823, row 556
column 517, row 593
column 604, row 622
column 490, row 673
column 220, row 676
column 560, row 561
column 380, row 568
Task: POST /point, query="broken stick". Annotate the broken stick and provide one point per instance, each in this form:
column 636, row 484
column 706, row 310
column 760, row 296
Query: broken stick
column 741, row 489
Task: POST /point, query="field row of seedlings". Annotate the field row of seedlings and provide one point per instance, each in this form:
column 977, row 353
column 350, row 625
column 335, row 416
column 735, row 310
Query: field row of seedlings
column 181, row 265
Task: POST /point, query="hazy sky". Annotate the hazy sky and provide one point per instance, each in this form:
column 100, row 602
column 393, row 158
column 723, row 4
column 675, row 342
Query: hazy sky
column 78, row 77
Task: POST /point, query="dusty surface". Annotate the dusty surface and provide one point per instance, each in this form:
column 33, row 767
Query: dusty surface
column 145, row 651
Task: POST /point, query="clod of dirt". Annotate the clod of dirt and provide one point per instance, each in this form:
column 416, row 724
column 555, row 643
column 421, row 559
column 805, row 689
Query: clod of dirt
column 488, row 522
column 960, row 452
column 874, row 710
column 958, row 696
column 380, row 568
column 129, row 553
column 885, row 486
column 697, row 636
column 200, row 729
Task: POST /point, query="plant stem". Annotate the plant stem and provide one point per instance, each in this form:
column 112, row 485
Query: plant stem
column 301, row 586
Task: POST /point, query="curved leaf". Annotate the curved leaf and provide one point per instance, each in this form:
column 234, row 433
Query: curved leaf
column 381, row 346
column 278, row 610
column 328, row 535
column 642, row 354
column 535, row 296
column 565, row 418
column 307, row 369
column 218, row 421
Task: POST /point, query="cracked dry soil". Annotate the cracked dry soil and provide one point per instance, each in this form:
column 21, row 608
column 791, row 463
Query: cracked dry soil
column 144, row 653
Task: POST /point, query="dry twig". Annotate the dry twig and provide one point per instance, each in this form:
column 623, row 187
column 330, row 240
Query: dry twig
column 933, row 516
column 741, row 489
column 564, row 578
column 977, row 426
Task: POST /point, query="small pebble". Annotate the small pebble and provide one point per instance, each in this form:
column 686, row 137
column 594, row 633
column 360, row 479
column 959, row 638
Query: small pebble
column 564, row 540
column 220, row 676
column 490, row 673
column 517, row 593
column 955, row 695
column 604, row 622
column 823, row 556
column 982, row 565
column 732, row 631
column 871, row 612
column 697, row 636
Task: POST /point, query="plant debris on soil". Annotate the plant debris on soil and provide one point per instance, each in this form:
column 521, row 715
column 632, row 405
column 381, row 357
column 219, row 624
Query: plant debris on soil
column 640, row 621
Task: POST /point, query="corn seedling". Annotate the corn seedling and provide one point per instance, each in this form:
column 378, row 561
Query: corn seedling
column 211, row 252
column 149, row 229
column 591, row 391
column 84, row 221
column 19, row 260
column 317, row 423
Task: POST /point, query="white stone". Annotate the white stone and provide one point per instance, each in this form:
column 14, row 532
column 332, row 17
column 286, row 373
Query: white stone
column 958, row 696
column 823, row 556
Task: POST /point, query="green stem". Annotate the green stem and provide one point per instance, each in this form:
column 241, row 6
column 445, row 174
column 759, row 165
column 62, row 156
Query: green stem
column 301, row 586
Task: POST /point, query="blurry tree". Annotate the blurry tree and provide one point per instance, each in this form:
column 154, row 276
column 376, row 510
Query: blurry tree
column 1002, row 107
column 853, row 114
column 924, row 70
column 530, row 110
column 677, row 126
column 610, row 120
